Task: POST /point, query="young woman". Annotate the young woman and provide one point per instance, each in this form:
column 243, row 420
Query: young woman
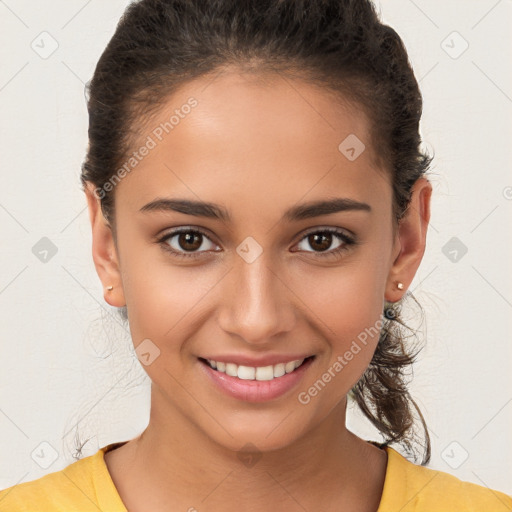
column 259, row 206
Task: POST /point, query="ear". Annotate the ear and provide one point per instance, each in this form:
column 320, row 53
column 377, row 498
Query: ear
column 410, row 240
column 104, row 251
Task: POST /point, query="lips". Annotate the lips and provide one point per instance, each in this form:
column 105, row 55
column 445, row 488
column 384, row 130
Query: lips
column 253, row 389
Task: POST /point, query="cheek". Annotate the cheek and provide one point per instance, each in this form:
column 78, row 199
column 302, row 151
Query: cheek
column 349, row 305
column 348, row 298
column 358, row 331
column 162, row 299
column 163, row 308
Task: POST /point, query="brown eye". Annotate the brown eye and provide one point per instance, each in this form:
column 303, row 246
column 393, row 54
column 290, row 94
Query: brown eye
column 187, row 242
column 321, row 240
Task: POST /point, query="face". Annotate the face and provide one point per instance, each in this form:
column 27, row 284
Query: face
column 254, row 288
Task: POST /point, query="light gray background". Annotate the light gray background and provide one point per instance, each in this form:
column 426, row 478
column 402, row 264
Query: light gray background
column 65, row 357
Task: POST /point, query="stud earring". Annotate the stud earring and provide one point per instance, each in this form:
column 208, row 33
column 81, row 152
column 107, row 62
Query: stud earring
column 110, row 288
column 389, row 312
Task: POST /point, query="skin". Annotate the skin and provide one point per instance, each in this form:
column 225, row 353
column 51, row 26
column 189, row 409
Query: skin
column 257, row 146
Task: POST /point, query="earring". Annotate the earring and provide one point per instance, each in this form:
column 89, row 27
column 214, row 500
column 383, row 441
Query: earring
column 389, row 312
column 110, row 288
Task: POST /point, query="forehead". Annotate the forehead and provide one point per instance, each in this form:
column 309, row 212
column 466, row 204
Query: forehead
column 266, row 134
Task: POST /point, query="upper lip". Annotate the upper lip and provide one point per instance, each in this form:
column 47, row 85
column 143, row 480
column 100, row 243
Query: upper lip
column 266, row 360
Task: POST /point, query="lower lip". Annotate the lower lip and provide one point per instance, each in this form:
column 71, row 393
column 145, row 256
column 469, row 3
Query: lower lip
column 256, row 390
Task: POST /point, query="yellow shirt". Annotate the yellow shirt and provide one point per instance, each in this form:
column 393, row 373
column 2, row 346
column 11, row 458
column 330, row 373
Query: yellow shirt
column 86, row 486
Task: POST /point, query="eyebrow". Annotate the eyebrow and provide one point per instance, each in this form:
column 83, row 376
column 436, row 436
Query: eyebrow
column 295, row 213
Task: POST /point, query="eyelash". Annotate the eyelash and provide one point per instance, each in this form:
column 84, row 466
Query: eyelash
column 347, row 242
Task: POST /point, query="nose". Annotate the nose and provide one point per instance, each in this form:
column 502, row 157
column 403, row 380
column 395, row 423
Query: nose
column 257, row 303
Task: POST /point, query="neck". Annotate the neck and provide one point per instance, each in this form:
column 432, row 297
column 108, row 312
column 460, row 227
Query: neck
column 328, row 465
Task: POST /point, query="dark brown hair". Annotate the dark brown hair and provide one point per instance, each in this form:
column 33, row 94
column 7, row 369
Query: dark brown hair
column 340, row 45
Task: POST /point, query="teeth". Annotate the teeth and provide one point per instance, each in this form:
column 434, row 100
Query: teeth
column 279, row 370
column 255, row 373
column 264, row 373
column 289, row 367
column 246, row 373
column 231, row 369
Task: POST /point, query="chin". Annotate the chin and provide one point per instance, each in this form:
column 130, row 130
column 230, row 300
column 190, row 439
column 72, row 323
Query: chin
column 258, row 432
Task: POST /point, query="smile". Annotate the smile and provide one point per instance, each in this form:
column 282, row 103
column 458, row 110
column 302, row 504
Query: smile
column 255, row 383
column 260, row 373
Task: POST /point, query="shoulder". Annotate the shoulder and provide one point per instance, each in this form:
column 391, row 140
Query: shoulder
column 61, row 490
column 412, row 488
column 83, row 486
